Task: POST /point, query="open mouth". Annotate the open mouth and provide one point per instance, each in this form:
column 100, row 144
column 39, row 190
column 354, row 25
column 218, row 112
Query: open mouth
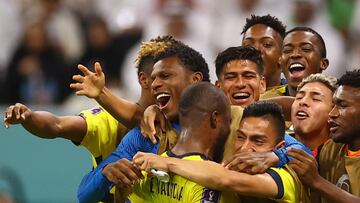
column 240, row 95
column 296, row 69
column 301, row 115
column 163, row 99
column 333, row 125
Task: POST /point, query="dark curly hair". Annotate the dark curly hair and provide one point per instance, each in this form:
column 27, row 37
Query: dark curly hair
column 190, row 58
column 307, row 29
column 267, row 20
column 238, row 53
column 350, row 78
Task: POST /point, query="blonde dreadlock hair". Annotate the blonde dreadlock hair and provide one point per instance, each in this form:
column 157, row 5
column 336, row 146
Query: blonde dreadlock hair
column 148, row 50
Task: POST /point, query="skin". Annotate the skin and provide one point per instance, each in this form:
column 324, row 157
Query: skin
column 171, row 77
column 345, row 117
column 314, row 99
column 269, row 42
column 241, row 76
column 303, row 48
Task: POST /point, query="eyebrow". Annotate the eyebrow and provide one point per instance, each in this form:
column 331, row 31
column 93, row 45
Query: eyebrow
column 312, row 93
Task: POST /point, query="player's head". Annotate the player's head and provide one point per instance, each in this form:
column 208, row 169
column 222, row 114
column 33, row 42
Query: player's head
column 204, row 106
column 303, row 54
column 313, row 102
column 261, row 128
column 176, row 68
column 240, row 74
column 145, row 58
column 266, row 33
column 345, row 116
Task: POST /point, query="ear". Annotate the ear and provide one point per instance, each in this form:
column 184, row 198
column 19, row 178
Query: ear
column 281, row 144
column 196, row 77
column 144, row 80
column 218, row 84
column 213, row 119
column 262, row 85
column 324, row 63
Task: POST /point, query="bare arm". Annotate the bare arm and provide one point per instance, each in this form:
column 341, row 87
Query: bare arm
column 44, row 124
column 212, row 175
column 306, row 168
column 285, row 102
column 92, row 85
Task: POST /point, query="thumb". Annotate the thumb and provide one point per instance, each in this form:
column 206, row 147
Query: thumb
column 98, row 69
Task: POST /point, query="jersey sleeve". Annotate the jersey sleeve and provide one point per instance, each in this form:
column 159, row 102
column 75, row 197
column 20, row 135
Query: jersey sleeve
column 102, row 131
column 290, row 142
column 287, row 188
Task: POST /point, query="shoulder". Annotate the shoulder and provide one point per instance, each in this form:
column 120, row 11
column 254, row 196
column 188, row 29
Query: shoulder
column 287, row 187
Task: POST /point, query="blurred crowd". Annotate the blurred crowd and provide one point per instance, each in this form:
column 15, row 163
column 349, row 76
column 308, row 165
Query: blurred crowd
column 42, row 41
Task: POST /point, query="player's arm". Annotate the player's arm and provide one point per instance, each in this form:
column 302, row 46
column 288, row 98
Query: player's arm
column 211, row 175
column 92, row 85
column 45, row 124
column 285, row 102
column 306, row 168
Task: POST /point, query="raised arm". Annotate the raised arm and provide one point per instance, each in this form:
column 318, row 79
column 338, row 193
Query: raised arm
column 212, row 175
column 45, row 124
column 92, row 85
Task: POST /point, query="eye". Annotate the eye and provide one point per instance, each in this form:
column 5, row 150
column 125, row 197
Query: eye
column 287, row 50
column 267, row 45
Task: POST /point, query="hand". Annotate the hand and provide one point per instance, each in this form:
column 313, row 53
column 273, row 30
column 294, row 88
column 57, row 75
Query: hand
column 123, row 173
column 252, row 162
column 122, row 193
column 91, row 84
column 305, row 167
column 148, row 161
column 15, row 114
column 152, row 115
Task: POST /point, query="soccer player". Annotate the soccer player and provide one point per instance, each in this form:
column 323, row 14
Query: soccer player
column 175, row 68
column 310, row 110
column 94, row 129
column 339, row 160
column 266, row 33
column 262, row 128
column 204, row 115
column 303, row 54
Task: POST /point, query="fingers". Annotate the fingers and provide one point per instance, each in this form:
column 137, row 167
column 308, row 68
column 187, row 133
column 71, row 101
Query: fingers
column 300, row 155
column 162, row 123
column 76, row 85
column 78, row 78
column 98, row 69
column 84, row 70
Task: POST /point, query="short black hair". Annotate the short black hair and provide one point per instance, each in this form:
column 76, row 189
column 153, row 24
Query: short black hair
column 239, row 53
column 203, row 97
column 267, row 20
column 308, row 29
column 268, row 110
column 190, row 58
column 350, row 78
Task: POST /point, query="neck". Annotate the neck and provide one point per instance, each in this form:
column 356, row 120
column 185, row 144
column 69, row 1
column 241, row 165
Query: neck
column 315, row 139
column 145, row 99
column 292, row 91
column 273, row 80
column 355, row 145
column 191, row 140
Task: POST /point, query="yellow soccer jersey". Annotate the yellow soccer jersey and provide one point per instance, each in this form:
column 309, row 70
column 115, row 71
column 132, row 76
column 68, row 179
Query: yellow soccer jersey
column 178, row 189
column 103, row 133
column 288, row 188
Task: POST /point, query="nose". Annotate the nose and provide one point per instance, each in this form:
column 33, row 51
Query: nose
column 295, row 53
column 304, row 101
column 156, row 83
column 246, row 147
column 334, row 112
column 240, row 83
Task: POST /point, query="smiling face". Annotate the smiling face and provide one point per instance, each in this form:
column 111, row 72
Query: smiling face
column 256, row 134
column 170, row 78
column 241, row 82
column 301, row 57
column 309, row 112
column 345, row 116
column 269, row 42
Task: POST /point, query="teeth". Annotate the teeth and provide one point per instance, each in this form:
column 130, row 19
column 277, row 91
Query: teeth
column 296, row 65
column 301, row 113
column 161, row 96
column 241, row 94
